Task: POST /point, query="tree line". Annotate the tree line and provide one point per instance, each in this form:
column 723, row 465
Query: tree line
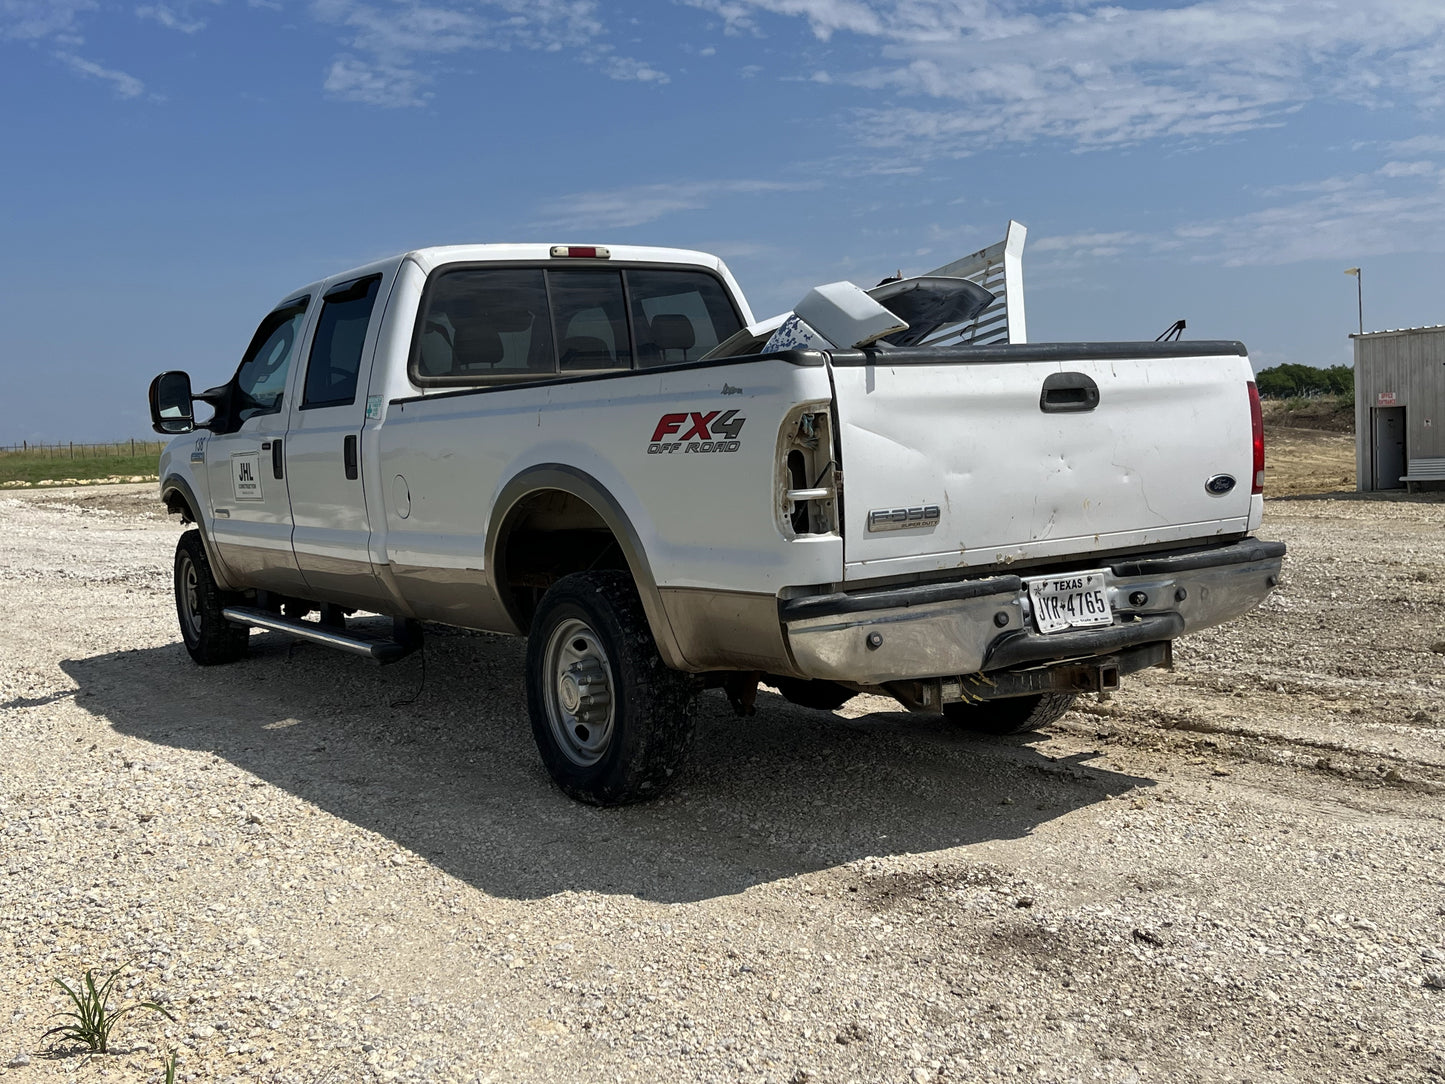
column 1290, row 381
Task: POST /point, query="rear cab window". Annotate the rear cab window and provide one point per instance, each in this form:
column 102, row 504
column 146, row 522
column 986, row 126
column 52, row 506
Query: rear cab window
column 481, row 325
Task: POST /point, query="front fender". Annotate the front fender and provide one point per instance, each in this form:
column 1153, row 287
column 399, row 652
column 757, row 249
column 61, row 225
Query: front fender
column 177, row 490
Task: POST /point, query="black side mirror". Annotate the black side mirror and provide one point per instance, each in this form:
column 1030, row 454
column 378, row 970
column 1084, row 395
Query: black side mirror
column 171, row 409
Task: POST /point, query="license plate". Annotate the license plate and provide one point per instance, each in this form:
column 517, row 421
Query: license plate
column 1070, row 602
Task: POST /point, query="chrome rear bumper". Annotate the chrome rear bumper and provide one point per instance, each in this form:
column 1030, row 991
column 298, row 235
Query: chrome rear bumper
column 974, row 626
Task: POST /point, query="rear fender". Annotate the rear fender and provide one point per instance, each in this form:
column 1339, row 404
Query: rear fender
column 579, row 484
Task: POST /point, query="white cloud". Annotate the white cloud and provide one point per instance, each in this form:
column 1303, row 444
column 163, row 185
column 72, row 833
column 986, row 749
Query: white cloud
column 627, row 69
column 126, row 86
column 982, row 72
column 1094, row 244
column 373, row 83
column 623, row 207
column 1344, row 218
column 1421, row 144
column 1388, row 211
column 1407, row 169
column 34, row 20
column 387, row 43
column 179, row 16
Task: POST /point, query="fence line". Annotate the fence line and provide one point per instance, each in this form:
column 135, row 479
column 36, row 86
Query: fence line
column 72, row 450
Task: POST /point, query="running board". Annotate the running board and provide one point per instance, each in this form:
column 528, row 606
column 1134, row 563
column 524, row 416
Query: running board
column 381, row 651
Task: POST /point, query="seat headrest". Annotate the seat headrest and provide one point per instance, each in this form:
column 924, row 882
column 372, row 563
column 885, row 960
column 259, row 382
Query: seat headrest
column 672, row 331
column 475, row 345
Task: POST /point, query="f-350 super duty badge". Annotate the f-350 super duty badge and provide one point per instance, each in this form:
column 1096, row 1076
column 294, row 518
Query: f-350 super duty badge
column 697, row 432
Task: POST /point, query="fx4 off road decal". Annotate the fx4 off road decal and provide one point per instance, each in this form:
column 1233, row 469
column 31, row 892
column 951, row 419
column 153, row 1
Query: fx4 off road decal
column 697, row 432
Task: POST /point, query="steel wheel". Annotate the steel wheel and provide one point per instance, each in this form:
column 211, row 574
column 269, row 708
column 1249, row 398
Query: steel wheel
column 613, row 724
column 188, row 598
column 209, row 637
column 577, row 680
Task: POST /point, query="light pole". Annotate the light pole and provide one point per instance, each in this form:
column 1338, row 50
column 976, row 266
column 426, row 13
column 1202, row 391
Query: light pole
column 1359, row 295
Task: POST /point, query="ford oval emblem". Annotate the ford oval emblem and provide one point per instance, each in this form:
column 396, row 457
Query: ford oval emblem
column 1220, row 484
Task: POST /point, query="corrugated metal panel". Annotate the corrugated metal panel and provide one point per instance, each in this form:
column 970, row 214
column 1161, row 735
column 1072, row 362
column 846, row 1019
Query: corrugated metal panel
column 999, row 270
column 1407, row 368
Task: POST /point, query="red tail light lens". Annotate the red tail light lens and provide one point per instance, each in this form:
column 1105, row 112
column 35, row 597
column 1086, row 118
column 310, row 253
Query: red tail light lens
column 1256, row 422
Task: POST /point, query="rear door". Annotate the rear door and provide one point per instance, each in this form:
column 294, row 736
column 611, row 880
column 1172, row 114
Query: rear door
column 1006, row 454
column 323, row 448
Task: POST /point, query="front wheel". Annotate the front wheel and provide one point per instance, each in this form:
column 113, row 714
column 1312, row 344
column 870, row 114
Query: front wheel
column 208, row 636
column 1013, row 715
column 612, row 721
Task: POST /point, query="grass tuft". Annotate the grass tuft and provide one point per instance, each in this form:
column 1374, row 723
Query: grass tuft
column 93, row 1018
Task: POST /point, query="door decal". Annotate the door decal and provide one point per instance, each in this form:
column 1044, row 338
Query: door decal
column 246, row 476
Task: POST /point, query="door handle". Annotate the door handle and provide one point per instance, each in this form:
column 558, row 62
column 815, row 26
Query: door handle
column 1068, row 393
column 276, row 462
column 348, row 455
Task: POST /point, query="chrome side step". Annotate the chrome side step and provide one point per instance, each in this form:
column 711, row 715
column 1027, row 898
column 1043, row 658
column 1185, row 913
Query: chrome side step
column 381, row 651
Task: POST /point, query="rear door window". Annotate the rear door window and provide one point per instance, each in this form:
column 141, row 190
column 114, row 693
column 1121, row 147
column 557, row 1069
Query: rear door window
column 336, row 350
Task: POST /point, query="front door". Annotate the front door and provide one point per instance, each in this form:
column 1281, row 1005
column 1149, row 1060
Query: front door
column 1389, row 425
column 323, row 453
column 245, row 459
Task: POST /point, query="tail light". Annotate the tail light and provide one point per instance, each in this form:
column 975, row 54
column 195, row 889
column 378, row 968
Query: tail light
column 1256, row 423
column 808, row 481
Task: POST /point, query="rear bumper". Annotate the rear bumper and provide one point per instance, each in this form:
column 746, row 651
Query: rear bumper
column 973, row 626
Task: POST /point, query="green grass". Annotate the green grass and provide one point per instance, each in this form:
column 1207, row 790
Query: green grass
column 92, row 1018
column 82, row 462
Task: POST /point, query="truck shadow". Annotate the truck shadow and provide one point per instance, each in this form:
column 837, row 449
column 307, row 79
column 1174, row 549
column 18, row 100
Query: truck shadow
column 445, row 768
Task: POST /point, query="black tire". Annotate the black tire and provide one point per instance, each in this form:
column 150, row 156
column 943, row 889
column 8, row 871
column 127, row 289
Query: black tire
column 612, row 722
column 209, row 638
column 821, row 695
column 1014, row 715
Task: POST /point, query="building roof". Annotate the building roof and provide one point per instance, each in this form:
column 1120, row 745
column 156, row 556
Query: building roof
column 1397, row 331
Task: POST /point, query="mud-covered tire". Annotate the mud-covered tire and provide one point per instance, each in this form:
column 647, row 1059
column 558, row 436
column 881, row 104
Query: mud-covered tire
column 209, row 638
column 820, row 695
column 1014, row 715
column 612, row 721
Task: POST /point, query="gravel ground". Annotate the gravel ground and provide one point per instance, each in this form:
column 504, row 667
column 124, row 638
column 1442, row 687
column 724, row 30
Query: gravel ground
column 328, row 871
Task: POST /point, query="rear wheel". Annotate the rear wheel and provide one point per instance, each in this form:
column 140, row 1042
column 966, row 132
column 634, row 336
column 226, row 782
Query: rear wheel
column 612, row 722
column 208, row 636
column 1014, row 715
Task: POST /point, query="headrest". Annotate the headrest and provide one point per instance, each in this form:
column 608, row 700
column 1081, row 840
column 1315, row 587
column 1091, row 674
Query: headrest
column 475, row 344
column 672, row 331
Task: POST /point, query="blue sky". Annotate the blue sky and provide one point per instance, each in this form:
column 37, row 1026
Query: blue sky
column 170, row 169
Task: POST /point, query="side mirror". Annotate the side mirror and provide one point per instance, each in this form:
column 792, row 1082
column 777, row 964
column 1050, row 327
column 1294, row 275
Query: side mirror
column 171, row 409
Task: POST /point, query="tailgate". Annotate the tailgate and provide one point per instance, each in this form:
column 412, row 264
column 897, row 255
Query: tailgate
column 958, row 458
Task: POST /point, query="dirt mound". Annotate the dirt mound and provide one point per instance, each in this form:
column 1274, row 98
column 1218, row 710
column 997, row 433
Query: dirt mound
column 1329, row 413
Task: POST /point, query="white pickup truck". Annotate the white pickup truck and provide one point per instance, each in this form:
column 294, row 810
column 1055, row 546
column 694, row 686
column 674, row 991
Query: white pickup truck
column 600, row 450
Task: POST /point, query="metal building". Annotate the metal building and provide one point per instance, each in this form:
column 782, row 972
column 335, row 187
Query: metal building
column 1400, row 408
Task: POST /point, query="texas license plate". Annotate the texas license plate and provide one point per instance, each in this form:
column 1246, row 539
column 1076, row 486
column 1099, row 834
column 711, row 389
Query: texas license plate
column 1070, row 602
